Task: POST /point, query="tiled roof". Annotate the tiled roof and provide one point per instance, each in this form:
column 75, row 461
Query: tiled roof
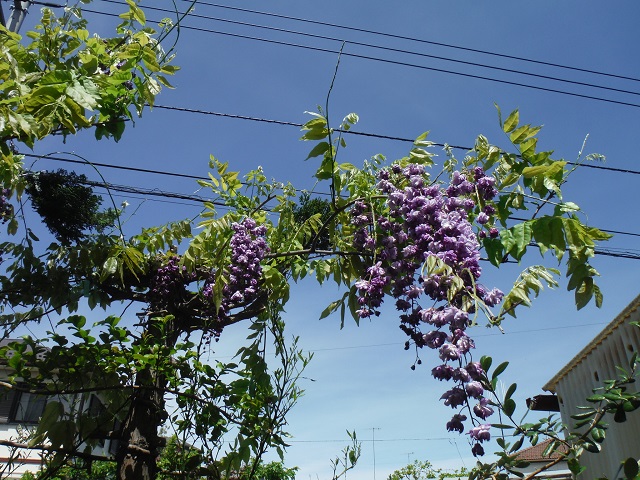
column 534, row 454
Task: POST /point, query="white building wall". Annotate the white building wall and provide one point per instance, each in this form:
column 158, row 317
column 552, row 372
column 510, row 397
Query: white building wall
column 589, row 371
column 15, row 462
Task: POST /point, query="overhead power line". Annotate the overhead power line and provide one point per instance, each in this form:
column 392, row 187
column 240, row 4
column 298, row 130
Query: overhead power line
column 611, row 252
column 394, row 62
column 347, row 132
column 363, row 134
column 388, row 49
column 495, row 333
column 154, row 192
column 419, row 40
column 110, row 165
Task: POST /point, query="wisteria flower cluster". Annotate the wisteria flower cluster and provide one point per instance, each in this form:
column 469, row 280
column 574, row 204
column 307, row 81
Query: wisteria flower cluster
column 168, row 284
column 6, row 209
column 421, row 221
column 248, row 248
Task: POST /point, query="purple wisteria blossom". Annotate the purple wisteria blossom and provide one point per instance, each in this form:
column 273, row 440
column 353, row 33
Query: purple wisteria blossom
column 168, row 283
column 477, row 450
column 474, row 389
column 461, row 375
column 449, row 351
column 434, row 339
column 482, row 409
column 493, row 298
column 455, row 424
column 481, row 433
column 6, row 209
column 427, row 252
column 475, row 370
column 454, row 398
column 443, row 372
column 248, row 248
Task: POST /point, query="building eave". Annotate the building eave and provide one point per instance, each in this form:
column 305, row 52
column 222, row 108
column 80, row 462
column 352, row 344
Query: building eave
column 551, row 385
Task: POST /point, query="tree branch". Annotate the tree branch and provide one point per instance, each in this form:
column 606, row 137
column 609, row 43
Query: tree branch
column 73, row 452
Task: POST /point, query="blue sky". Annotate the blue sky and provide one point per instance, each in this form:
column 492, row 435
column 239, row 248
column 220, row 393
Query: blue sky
column 362, row 376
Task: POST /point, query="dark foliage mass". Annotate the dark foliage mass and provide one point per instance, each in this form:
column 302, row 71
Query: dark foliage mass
column 68, row 206
column 308, row 207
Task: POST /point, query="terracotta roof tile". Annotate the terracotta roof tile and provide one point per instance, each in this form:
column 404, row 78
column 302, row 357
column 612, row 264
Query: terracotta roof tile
column 534, row 454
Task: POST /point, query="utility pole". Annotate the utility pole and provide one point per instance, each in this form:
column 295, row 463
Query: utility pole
column 18, row 14
column 409, row 457
column 373, row 434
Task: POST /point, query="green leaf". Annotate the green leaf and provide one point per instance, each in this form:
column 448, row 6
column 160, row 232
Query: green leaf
column 584, row 293
column 84, row 95
column 548, row 233
column 50, row 416
column 499, row 369
column 519, row 134
column 511, row 122
column 521, row 237
column 595, row 398
column 544, row 170
column 592, row 447
column 333, row 306
column 494, row 249
column 350, row 119
column 136, row 12
column 485, row 362
column 620, row 416
column 315, row 134
column 501, row 426
column 109, row 268
column 583, row 415
column 598, row 435
column 575, row 466
column 509, row 407
column 598, row 295
column 315, row 123
column 631, row 468
column 518, row 445
column 510, row 391
column 318, row 150
column 528, row 147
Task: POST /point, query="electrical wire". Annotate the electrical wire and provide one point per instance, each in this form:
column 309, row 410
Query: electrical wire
column 395, row 62
column 619, row 253
column 495, row 334
column 117, row 167
column 195, row 198
column 389, row 49
column 363, row 134
column 418, row 40
column 153, row 192
column 347, row 132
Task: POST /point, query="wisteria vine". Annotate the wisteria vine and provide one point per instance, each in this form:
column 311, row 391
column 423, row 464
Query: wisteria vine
column 424, row 223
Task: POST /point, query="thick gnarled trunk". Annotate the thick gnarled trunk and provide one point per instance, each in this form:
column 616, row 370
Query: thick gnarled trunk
column 140, row 444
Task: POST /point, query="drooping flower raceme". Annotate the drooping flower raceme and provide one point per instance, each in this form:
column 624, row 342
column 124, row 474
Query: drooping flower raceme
column 425, row 224
column 248, row 248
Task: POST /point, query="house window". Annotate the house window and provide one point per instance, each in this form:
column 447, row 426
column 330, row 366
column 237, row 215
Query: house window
column 27, row 407
column 96, row 407
column 96, row 411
